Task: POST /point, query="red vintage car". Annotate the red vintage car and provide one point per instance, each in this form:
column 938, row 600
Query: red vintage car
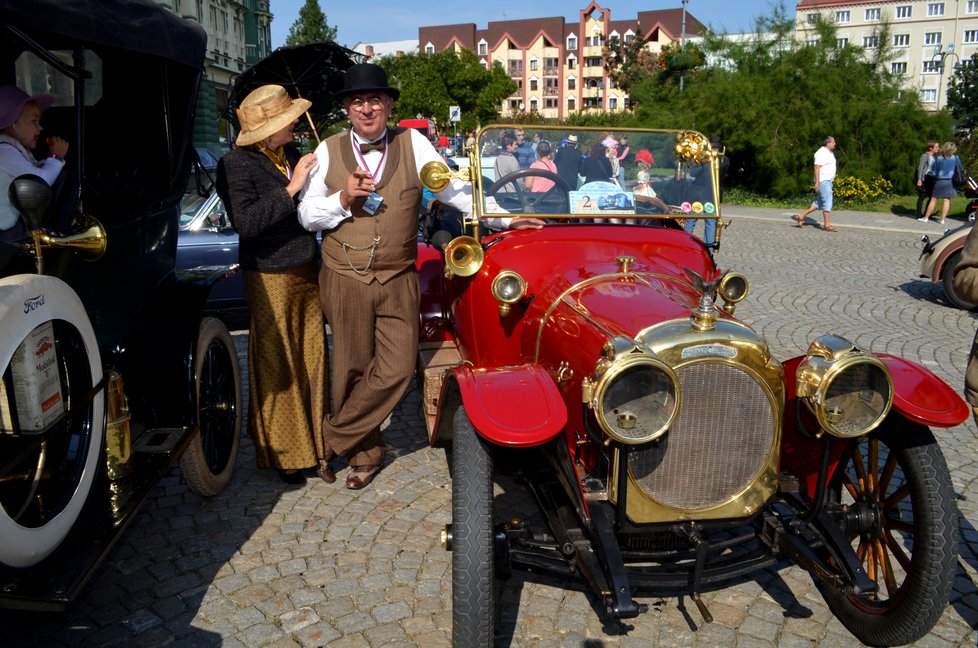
column 598, row 360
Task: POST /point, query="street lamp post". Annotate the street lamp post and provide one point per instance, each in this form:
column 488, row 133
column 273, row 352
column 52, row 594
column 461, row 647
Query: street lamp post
column 941, row 53
column 682, row 43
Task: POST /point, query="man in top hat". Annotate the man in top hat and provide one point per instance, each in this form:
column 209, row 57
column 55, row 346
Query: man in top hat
column 568, row 161
column 365, row 195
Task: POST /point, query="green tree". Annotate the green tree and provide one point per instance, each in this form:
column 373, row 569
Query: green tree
column 962, row 91
column 310, row 26
column 773, row 100
column 430, row 83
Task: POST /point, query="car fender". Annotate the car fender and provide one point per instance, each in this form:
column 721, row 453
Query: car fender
column 920, row 396
column 944, row 249
column 517, row 406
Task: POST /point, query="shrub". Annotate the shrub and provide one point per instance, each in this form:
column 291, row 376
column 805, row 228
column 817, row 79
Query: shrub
column 849, row 190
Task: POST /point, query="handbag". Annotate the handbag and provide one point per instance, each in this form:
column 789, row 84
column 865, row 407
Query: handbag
column 960, row 177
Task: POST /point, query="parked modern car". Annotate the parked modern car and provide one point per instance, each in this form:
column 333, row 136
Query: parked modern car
column 207, row 247
column 112, row 373
column 600, row 366
column 939, row 258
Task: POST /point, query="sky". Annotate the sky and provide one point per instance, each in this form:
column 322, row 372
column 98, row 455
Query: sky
column 388, row 20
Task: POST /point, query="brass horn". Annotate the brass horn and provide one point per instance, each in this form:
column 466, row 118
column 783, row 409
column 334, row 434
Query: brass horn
column 89, row 243
column 463, row 257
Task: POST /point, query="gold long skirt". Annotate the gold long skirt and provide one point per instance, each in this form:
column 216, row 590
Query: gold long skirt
column 288, row 371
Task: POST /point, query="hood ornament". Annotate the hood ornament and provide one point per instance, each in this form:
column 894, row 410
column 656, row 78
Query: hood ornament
column 705, row 314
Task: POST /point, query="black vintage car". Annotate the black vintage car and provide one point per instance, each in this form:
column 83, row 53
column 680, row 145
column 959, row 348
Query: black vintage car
column 111, row 371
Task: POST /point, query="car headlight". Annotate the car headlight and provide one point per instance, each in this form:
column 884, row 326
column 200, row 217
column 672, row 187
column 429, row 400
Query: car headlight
column 508, row 288
column 849, row 392
column 635, row 398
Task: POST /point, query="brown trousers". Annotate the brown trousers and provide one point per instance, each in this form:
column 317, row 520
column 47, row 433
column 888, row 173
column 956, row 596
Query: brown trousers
column 375, row 345
column 287, row 372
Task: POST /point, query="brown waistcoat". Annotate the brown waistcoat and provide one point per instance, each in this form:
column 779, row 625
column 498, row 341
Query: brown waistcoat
column 348, row 248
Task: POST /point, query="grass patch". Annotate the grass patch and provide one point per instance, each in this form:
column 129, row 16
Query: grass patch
column 901, row 205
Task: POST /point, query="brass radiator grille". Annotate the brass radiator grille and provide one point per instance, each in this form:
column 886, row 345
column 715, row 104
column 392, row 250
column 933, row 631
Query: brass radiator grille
column 717, row 445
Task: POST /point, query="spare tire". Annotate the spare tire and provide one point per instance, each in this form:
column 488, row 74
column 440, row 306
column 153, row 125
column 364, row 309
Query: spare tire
column 47, row 464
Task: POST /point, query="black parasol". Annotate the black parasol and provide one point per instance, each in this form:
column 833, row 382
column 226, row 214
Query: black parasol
column 313, row 71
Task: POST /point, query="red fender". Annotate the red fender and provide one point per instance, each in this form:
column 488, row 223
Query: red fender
column 921, row 396
column 517, row 406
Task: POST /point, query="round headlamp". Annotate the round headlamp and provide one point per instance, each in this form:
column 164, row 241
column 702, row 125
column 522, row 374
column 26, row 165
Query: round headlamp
column 849, row 392
column 508, row 288
column 636, row 399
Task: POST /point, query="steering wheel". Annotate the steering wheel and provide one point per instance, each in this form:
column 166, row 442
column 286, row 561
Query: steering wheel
column 530, row 201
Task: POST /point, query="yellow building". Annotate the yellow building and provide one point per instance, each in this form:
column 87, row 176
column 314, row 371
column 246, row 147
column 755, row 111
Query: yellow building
column 558, row 65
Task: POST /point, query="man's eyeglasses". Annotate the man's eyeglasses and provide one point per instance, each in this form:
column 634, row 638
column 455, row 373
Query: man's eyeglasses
column 374, row 102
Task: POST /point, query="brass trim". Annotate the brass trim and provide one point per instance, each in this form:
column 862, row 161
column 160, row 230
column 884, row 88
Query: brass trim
column 463, row 257
column 506, row 304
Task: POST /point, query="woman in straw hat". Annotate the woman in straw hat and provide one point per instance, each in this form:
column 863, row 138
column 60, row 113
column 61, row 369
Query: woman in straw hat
column 20, row 126
column 259, row 183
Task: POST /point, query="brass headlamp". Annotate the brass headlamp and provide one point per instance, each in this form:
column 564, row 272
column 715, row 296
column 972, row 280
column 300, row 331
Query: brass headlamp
column 849, row 391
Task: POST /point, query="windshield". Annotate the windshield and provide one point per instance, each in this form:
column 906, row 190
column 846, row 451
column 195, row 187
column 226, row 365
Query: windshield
column 566, row 173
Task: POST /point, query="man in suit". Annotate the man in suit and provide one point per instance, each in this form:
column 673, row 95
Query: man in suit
column 568, row 161
column 365, row 196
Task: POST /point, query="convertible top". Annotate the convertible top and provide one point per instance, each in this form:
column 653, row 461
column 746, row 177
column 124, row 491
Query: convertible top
column 133, row 25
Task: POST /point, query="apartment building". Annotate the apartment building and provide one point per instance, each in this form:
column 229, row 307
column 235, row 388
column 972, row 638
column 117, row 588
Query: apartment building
column 238, row 35
column 558, row 64
column 928, row 37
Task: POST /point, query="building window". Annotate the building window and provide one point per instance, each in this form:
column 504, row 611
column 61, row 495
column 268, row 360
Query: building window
column 550, row 86
column 928, row 96
column 571, row 62
column 595, row 40
column 931, row 67
column 811, row 18
column 871, row 42
column 572, row 42
column 971, row 6
column 629, row 37
column 483, row 49
column 904, row 11
column 550, row 103
column 534, row 64
column 533, row 85
column 571, row 103
column 515, row 68
column 514, row 104
column 898, row 69
column 935, row 9
column 572, row 83
column 429, row 49
column 901, row 40
column 613, row 103
column 841, row 42
column 594, row 61
column 932, row 38
column 533, row 105
column 842, row 16
column 812, row 42
column 971, row 36
column 551, row 67
column 872, row 15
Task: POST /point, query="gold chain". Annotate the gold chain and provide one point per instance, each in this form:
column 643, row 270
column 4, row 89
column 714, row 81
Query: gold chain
column 370, row 258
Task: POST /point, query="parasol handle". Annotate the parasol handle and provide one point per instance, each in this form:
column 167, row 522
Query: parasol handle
column 313, row 127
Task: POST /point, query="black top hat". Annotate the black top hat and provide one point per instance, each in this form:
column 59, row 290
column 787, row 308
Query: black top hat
column 366, row 77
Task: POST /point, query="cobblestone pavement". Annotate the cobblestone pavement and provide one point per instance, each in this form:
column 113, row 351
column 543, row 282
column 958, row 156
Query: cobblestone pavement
column 265, row 565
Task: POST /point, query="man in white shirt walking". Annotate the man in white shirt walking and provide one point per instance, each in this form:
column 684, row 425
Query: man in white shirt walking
column 824, row 174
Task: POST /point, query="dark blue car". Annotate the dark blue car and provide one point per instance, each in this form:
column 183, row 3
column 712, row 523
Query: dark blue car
column 207, row 246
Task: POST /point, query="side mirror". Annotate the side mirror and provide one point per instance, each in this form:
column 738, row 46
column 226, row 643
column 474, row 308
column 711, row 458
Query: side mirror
column 31, row 196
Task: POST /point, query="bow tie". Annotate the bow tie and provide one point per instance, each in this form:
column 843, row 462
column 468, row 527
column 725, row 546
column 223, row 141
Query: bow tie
column 372, row 146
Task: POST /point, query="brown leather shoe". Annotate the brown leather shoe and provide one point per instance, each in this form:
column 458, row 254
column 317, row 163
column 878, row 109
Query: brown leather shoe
column 325, row 472
column 361, row 476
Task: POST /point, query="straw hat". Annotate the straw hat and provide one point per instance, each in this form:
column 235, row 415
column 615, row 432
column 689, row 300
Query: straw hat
column 266, row 111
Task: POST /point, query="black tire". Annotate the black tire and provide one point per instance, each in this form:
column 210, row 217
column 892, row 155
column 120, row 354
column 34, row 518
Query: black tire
column 208, row 462
column 947, row 281
column 915, row 536
column 473, row 604
column 47, row 474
